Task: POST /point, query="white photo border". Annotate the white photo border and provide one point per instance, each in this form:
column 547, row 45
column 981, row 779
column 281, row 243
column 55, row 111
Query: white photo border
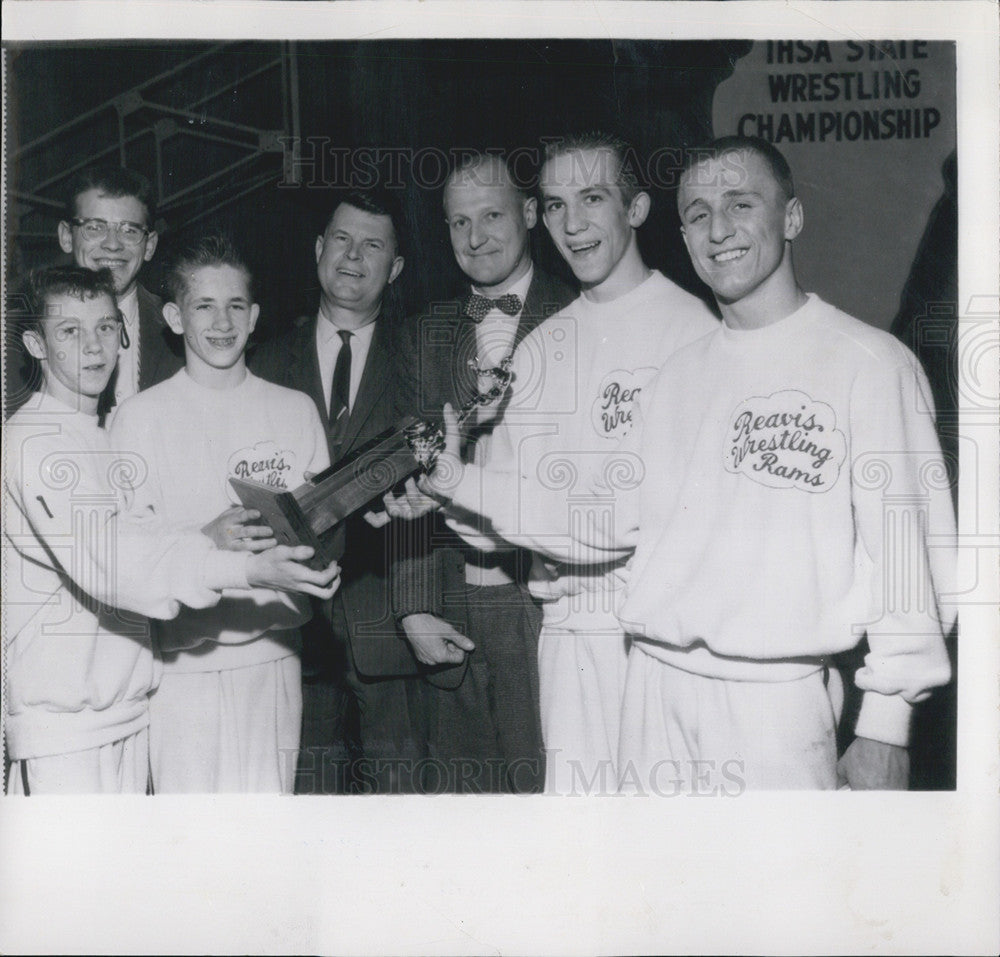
column 766, row 873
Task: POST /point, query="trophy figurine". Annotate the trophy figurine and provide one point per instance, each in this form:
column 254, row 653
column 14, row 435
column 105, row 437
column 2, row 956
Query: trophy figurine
column 310, row 514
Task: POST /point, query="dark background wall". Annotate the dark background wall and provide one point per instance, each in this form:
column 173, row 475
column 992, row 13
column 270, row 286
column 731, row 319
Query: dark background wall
column 414, row 102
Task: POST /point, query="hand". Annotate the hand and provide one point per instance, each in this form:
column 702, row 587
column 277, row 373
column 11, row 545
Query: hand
column 411, row 504
column 230, row 531
column 434, row 641
column 377, row 519
column 869, row 765
column 281, row 568
column 440, row 482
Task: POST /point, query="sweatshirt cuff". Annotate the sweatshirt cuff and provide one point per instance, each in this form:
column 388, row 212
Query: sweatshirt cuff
column 224, row 569
column 885, row 718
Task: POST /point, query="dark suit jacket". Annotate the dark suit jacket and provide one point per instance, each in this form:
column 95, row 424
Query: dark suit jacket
column 161, row 351
column 161, row 354
column 439, row 342
column 378, row 647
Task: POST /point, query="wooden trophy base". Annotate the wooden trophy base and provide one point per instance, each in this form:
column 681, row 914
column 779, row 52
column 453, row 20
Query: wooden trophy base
column 310, row 514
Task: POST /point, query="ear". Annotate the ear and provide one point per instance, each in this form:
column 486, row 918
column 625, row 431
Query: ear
column 319, row 248
column 151, row 240
column 794, row 218
column 172, row 315
column 530, row 210
column 687, row 243
column 254, row 313
column 397, row 268
column 65, row 237
column 34, row 342
column 639, row 210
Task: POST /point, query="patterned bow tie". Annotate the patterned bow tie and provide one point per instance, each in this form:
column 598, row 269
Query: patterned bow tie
column 478, row 307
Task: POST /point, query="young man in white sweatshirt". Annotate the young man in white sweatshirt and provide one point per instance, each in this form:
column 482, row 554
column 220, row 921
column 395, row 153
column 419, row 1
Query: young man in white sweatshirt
column 795, row 499
column 79, row 670
column 576, row 380
column 227, row 713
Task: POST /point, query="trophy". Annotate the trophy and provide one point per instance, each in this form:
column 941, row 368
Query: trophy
column 311, row 513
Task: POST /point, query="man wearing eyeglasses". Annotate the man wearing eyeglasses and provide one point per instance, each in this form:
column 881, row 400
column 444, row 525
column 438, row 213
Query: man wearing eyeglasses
column 109, row 225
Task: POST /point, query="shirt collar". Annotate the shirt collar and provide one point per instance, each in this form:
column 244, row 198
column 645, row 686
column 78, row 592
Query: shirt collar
column 520, row 288
column 128, row 305
column 327, row 332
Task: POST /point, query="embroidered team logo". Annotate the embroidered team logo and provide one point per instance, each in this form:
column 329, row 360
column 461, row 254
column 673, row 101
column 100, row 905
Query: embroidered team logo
column 786, row 440
column 267, row 464
column 612, row 410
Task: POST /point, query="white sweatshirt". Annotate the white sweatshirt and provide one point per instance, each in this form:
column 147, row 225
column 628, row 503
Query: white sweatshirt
column 794, row 498
column 577, row 377
column 78, row 669
column 193, row 439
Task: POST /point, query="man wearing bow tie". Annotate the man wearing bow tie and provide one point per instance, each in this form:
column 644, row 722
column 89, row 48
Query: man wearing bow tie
column 467, row 613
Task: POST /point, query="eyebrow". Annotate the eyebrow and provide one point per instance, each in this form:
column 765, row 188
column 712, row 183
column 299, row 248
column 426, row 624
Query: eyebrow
column 728, row 194
column 597, row 188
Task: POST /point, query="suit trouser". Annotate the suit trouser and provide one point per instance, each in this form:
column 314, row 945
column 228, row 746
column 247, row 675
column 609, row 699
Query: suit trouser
column 359, row 734
column 487, row 732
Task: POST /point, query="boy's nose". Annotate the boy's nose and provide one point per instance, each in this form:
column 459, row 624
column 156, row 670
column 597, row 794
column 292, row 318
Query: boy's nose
column 575, row 220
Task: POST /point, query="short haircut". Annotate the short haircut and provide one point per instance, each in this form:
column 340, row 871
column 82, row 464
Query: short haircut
column 376, row 202
column 214, row 249
column 771, row 155
column 475, row 160
column 626, row 175
column 114, row 181
column 73, row 281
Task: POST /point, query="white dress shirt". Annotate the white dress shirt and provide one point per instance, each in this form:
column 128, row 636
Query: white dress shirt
column 127, row 383
column 328, row 345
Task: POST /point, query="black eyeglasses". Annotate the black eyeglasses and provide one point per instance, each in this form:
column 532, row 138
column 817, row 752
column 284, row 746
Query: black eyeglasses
column 131, row 234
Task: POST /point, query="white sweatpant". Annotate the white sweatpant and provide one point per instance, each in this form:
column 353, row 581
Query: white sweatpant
column 227, row 731
column 581, row 678
column 683, row 732
column 121, row 767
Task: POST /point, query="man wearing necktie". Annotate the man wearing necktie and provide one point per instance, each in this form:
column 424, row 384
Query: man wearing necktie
column 355, row 663
column 459, row 606
column 109, row 225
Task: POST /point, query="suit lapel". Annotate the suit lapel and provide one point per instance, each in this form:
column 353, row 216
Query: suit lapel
column 151, row 326
column 374, row 381
column 462, row 375
column 304, row 371
column 538, row 305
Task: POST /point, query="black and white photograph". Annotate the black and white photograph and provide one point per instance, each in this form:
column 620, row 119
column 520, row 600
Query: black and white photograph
column 440, row 450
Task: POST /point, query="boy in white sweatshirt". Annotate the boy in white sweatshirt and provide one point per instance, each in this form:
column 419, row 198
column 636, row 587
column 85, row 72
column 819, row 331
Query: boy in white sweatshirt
column 226, row 715
column 78, row 669
column 576, row 379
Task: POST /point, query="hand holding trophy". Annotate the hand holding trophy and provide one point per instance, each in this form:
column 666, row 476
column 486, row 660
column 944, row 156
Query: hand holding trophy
column 309, row 514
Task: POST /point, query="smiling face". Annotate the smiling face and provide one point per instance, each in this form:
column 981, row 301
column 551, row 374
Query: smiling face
column 355, row 261
column 590, row 223
column 737, row 225
column 488, row 220
column 77, row 346
column 215, row 314
column 123, row 260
